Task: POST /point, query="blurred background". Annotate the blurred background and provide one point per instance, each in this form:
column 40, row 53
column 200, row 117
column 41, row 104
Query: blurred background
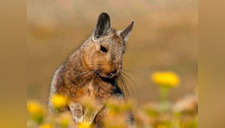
column 164, row 38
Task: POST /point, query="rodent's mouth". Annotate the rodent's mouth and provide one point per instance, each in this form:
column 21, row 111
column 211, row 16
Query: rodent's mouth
column 107, row 76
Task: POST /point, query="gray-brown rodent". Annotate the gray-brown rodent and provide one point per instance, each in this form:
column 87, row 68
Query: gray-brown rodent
column 92, row 69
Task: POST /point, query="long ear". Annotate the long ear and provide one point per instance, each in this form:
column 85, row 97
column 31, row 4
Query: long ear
column 125, row 33
column 103, row 24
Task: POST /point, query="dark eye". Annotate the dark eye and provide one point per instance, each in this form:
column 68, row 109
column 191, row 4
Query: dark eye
column 103, row 49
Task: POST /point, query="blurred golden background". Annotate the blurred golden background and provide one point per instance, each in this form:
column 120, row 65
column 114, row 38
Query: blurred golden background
column 164, row 37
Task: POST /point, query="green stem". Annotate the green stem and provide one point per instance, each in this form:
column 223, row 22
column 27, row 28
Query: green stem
column 164, row 103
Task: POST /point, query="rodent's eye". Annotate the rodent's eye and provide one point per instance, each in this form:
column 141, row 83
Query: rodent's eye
column 103, row 49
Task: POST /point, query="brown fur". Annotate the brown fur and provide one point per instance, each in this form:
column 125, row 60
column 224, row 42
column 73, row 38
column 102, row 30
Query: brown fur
column 88, row 71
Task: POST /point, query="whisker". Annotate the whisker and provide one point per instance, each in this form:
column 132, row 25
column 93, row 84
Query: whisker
column 133, row 86
column 124, row 87
column 134, row 73
column 129, row 89
column 120, row 83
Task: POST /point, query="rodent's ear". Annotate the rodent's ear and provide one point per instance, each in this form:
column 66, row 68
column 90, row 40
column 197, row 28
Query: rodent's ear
column 125, row 33
column 103, row 24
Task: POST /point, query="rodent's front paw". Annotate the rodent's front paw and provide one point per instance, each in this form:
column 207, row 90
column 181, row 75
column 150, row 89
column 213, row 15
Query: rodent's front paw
column 77, row 112
column 78, row 119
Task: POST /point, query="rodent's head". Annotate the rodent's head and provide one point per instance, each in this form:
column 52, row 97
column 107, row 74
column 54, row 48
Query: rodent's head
column 105, row 48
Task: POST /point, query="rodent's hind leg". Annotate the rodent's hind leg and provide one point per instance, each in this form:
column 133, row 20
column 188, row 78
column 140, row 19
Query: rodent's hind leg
column 77, row 111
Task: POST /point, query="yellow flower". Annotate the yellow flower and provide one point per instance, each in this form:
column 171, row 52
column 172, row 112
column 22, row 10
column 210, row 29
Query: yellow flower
column 165, row 79
column 34, row 108
column 35, row 111
column 46, row 126
column 85, row 125
column 59, row 101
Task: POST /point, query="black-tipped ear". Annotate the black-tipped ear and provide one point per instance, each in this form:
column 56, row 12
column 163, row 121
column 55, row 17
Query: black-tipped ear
column 125, row 33
column 103, row 24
